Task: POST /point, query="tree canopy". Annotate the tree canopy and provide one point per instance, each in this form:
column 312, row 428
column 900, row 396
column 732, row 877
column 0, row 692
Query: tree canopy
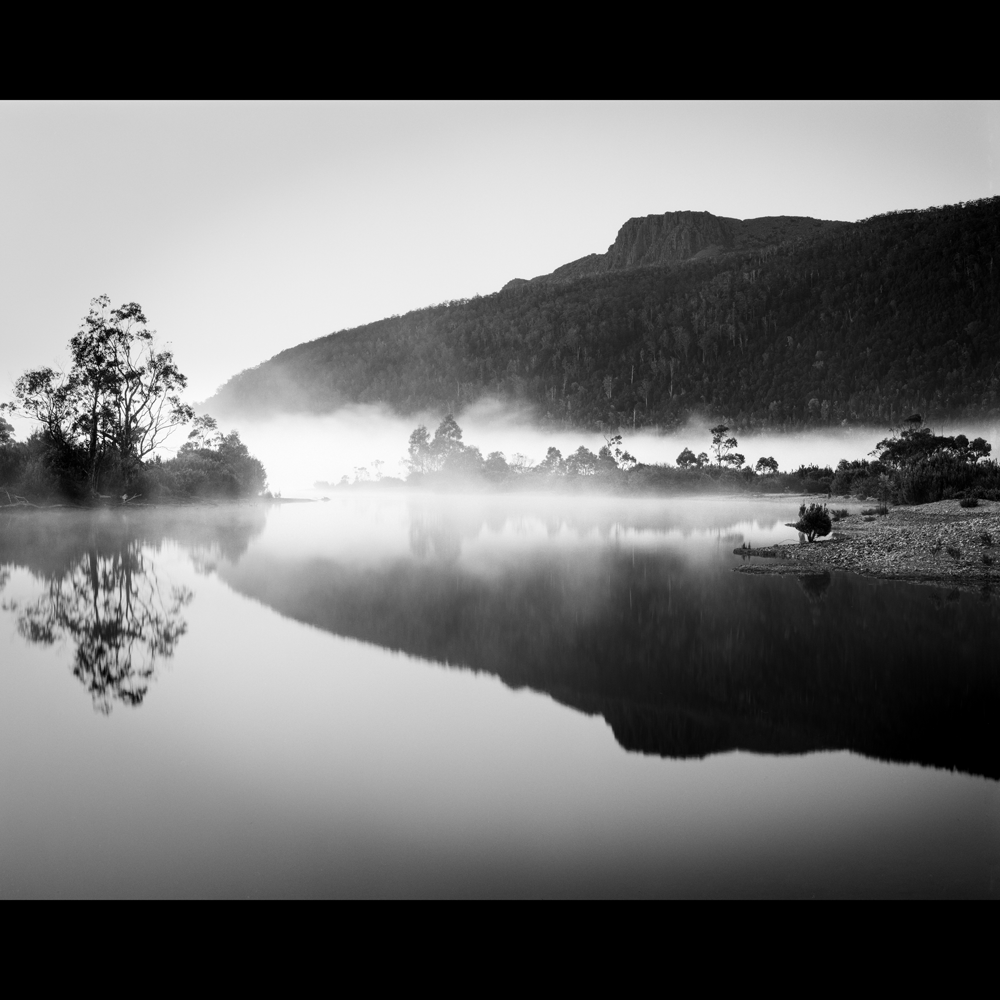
column 102, row 422
column 118, row 401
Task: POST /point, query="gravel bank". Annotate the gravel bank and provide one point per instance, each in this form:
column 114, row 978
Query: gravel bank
column 939, row 543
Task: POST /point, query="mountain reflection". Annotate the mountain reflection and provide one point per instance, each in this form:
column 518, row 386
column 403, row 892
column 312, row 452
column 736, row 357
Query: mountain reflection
column 681, row 656
column 611, row 615
column 102, row 592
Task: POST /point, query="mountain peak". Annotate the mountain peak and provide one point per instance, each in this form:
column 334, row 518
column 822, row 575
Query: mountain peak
column 673, row 237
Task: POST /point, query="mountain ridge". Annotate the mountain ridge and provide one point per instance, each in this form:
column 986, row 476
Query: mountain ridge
column 673, row 237
column 840, row 323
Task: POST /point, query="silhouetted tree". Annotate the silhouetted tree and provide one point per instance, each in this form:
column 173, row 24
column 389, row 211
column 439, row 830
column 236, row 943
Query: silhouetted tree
column 552, row 464
column 419, row 450
column 723, row 446
column 814, row 521
column 447, row 441
column 119, row 400
column 583, row 462
column 496, row 467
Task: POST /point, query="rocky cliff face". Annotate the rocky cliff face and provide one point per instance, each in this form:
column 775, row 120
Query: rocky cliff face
column 667, row 238
column 673, row 237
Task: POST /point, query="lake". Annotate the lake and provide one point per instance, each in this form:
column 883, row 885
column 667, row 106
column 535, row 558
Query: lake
column 394, row 694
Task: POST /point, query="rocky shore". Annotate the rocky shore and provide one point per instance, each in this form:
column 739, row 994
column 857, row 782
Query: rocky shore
column 937, row 543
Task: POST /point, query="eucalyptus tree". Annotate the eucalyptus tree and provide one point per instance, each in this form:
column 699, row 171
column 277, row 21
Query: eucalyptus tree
column 723, row 447
column 119, row 400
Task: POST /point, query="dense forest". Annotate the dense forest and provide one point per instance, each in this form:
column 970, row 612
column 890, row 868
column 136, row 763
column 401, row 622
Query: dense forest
column 864, row 322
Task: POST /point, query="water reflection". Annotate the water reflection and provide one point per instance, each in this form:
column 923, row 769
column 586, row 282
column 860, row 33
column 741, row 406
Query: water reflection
column 651, row 630
column 815, row 585
column 102, row 593
column 118, row 617
column 628, row 610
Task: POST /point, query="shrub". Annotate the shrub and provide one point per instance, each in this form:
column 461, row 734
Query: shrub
column 954, row 552
column 987, row 559
column 839, row 515
column 968, row 502
column 987, row 539
column 814, row 521
column 226, row 469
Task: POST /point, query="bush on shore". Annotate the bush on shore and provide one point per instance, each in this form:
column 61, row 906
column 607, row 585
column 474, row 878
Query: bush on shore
column 917, row 466
column 223, row 469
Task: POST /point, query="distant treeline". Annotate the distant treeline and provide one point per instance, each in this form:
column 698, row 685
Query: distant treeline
column 865, row 323
column 445, row 461
column 912, row 465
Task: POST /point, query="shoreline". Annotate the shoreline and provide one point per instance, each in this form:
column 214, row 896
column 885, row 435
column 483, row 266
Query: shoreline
column 940, row 544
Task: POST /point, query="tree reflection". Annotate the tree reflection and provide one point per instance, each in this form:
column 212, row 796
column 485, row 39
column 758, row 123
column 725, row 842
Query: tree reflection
column 120, row 618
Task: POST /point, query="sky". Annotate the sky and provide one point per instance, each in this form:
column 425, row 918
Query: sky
column 243, row 229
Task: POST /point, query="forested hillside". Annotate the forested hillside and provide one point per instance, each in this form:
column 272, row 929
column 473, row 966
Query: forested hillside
column 863, row 322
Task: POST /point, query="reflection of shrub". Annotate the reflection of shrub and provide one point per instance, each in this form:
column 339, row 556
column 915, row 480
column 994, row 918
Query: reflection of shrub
column 815, row 585
column 968, row 502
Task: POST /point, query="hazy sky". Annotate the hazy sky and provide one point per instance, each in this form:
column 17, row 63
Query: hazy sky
column 243, row 229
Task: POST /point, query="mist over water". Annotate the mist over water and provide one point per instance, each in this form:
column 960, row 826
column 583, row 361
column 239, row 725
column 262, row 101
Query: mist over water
column 401, row 693
column 298, row 450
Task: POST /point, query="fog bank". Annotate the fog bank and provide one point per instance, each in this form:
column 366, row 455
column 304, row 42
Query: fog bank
column 299, row 450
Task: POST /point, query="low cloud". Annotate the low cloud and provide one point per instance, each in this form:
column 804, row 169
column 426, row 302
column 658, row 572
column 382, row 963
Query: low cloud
column 298, row 450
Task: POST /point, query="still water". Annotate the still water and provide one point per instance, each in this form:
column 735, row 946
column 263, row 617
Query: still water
column 390, row 694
